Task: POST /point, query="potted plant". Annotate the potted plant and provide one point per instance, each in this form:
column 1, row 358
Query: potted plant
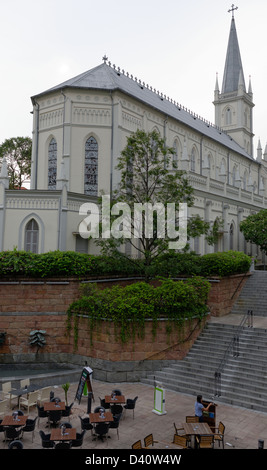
column 66, row 388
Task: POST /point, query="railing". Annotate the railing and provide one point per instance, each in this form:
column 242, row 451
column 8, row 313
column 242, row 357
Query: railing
column 233, row 347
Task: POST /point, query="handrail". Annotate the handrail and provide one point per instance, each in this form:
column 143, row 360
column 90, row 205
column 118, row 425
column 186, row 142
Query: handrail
column 232, row 346
column 239, row 284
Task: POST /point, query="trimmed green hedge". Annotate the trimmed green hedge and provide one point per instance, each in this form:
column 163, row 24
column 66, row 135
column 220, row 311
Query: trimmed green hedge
column 189, row 264
column 69, row 263
column 128, row 307
column 64, row 263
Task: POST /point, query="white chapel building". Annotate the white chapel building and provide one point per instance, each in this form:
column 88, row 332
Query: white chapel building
column 80, row 128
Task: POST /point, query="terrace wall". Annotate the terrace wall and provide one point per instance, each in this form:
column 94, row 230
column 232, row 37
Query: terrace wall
column 27, row 305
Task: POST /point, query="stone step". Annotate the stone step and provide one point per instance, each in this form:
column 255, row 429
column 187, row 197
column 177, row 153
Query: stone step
column 254, row 397
column 250, row 381
column 243, row 378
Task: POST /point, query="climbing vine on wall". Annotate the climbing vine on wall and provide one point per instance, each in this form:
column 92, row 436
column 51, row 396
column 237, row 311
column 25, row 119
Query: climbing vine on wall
column 129, row 307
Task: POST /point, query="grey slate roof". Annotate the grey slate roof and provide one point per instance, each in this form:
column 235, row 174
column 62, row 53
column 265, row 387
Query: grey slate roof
column 106, row 77
column 233, row 63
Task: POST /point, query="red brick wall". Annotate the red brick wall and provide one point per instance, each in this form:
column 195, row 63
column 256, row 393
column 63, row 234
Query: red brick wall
column 107, row 346
column 27, row 306
column 223, row 294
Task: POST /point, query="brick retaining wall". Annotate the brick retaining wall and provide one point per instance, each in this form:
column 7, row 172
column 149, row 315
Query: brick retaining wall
column 27, row 305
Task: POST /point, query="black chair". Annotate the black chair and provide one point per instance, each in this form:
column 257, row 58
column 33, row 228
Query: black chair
column 115, row 423
column 54, row 416
column 130, row 404
column 46, row 442
column 63, row 445
column 11, row 433
column 101, row 430
column 104, row 404
column 116, row 392
column 116, row 409
column 85, row 424
column 78, row 442
column 15, row 445
column 67, row 411
column 98, row 409
column 41, row 413
column 29, row 426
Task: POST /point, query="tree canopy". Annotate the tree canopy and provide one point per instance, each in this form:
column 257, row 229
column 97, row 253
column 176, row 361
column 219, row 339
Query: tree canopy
column 17, row 152
column 254, row 229
column 151, row 183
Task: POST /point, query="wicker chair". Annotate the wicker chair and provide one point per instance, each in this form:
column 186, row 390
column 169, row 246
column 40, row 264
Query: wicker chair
column 149, row 440
column 205, row 441
column 180, row 441
column 137, row 445
column 219, row 434
column 192, row 419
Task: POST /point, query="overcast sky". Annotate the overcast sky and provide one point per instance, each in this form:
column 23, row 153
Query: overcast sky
column 175, row 46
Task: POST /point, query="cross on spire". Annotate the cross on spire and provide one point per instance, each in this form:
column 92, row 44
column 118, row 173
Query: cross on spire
column 232, row 10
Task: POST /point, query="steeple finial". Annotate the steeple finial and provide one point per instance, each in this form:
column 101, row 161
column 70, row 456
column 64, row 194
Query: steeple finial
column 233, row 63
column 232, row 9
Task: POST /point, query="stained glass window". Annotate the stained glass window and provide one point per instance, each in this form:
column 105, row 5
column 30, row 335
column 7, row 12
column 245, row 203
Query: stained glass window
column 91, row 167
column 52, row 164
column 31, row 236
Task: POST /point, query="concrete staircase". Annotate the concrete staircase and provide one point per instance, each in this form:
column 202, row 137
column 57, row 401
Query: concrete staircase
column 253, row 295
column 244, row 378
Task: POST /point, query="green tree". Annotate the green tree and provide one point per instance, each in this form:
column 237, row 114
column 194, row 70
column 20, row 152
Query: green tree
column 254, row 229
column 146, row 177
column 17, row 152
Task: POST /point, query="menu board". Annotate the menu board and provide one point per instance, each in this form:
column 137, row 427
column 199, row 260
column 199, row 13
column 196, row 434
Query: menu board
column 84, row 379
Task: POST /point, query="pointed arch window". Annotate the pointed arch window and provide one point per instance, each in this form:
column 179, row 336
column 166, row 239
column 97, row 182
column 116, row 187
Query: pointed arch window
column 175, row 155
column 234, row 176
column 245, row 179
column 52, row 164
column 32, row 236
column 231, row 233
column 91, row 167
column 228, row 117
column 193, row 160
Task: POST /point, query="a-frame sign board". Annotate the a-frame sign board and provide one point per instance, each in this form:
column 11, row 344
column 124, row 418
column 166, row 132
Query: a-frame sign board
column 84, row 379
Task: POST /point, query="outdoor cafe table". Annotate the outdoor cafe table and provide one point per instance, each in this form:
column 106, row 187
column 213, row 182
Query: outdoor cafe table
column 69, row 434
column 53, row 406
column 97, row 417
column 10, row 421
column 196, row 429
column 118, row 399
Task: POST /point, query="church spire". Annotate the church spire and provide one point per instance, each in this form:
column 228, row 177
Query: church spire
column 233, row 69
column 234, row 105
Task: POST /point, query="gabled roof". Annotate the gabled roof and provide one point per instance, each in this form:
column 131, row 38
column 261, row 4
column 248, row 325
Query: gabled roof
column 106, row 77
column 233, row 70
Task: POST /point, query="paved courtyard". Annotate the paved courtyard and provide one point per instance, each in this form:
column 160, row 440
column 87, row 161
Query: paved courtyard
column 243, row 428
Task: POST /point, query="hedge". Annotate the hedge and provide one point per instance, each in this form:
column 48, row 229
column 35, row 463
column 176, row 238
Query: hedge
column 213, row 264
column 64, row 263
column 128, row 307
column 69, row 263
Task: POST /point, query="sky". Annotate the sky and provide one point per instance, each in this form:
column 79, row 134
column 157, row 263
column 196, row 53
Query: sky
column 175, row 46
